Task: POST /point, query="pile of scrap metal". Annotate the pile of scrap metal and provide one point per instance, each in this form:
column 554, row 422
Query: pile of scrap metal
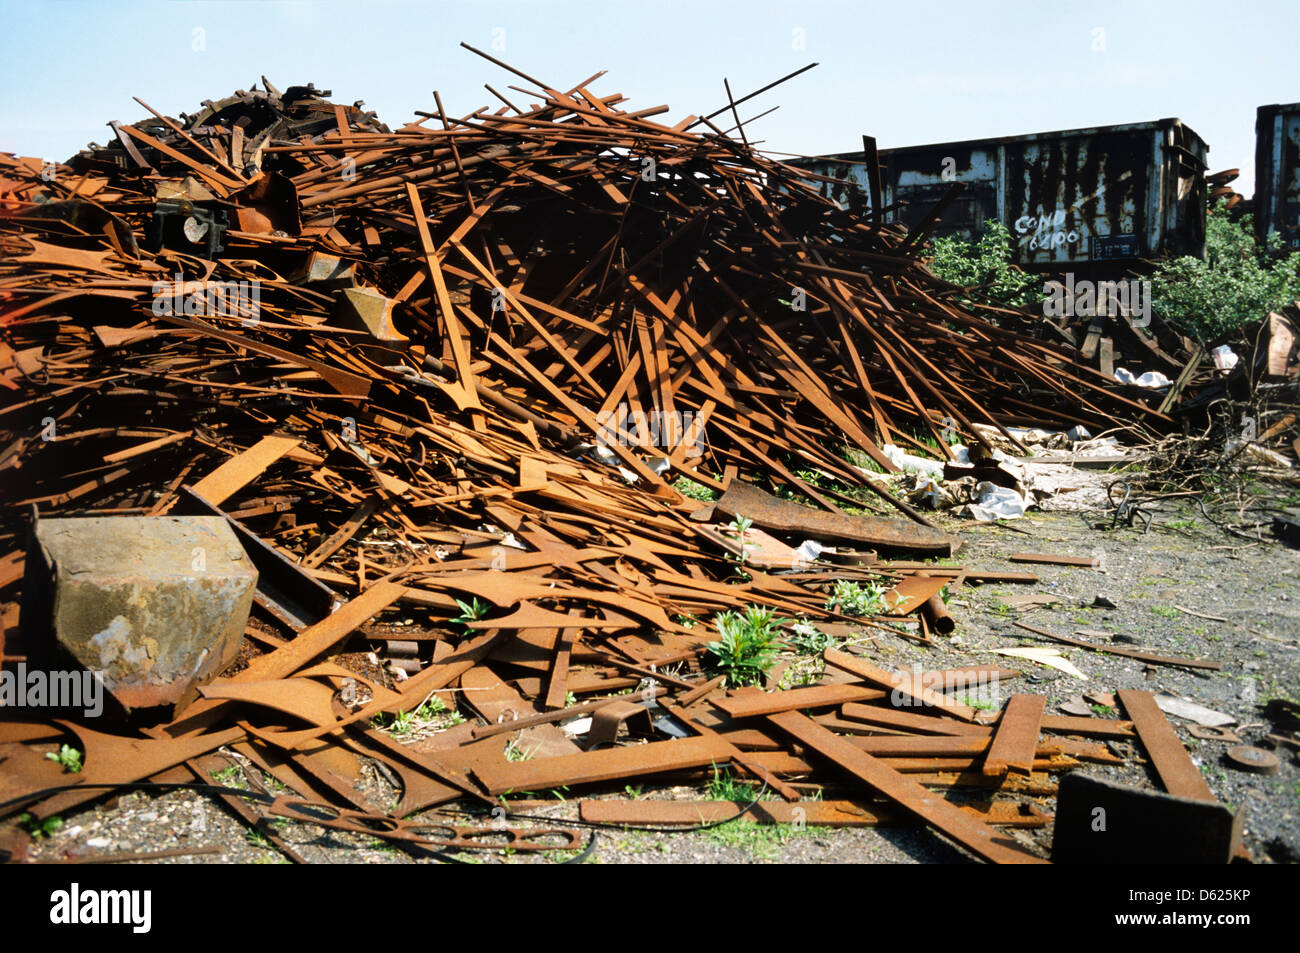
column 429, row 393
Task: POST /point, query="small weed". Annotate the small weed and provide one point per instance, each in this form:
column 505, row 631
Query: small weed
column 38, row 829
column 980, row 703
column 747, row 647
column 1102, row 711
column 67, row 756
column 1169, row 612
column 470, row 612
column 693, row 490
column 632, row 792
column 516, row 753
column 1183, row 524
column 850, row 598
column 807, row 639
column 685, row 620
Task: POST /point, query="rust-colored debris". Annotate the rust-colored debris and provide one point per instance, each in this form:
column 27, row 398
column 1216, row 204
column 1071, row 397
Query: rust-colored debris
column 446, row 383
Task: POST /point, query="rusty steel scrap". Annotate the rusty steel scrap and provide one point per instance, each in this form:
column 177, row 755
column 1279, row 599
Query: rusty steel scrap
column 442, row 382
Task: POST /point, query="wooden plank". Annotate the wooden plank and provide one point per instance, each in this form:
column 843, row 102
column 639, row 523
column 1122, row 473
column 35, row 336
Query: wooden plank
column 1016, row 739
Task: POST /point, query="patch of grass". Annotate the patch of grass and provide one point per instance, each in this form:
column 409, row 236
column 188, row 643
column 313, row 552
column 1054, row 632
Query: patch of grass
column 1183, row 524
column 231, row 776
column 1169, row 612
column 725, row 786
column 516, row 753
column 1103, row 711
column 981, row 703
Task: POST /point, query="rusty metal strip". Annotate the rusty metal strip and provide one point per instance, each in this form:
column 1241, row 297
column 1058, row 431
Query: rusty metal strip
column 752, row 704
column 900, row 685
column 946, row 818
column 1177, row 772
column 1125, row 653
column 242, row 469
column 608, row 764
column 813, row 813
column 1016, row 738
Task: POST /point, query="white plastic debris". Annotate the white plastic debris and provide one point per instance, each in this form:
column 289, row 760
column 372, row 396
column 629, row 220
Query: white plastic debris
column 578, row 726
column 993, row 502
column 810, row 549
column 1225, row 359
column 1044, row 655
column 905, row 461
column 1152, row 379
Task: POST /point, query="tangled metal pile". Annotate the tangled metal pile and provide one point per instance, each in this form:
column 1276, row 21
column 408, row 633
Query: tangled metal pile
column 461, row 364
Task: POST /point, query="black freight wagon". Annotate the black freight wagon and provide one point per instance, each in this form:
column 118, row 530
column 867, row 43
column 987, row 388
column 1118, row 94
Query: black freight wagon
column 1277, row 173
column 1094, row 201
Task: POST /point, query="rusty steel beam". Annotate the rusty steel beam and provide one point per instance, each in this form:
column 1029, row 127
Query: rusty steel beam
column 946, row 818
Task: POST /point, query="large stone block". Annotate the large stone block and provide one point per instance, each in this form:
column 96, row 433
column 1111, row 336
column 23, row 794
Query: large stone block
column 155, row 604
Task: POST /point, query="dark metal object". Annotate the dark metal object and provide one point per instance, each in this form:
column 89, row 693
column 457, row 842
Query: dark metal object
column 1100, row 822
column 190, row 227
column 1099, row 198
column 1277, row 173
column 1256, row 760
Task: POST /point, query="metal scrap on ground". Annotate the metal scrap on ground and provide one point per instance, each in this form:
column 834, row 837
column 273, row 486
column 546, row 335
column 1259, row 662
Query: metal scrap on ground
column 443, row 382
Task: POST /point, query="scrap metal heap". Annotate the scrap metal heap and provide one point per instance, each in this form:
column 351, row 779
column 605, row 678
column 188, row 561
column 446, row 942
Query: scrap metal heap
column 441, row 381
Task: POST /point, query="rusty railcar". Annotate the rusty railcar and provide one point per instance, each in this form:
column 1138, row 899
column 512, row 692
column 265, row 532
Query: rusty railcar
column 1277, row 173
column 1089, row 200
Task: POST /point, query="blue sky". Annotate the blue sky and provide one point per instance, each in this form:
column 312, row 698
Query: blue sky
column 905, row 72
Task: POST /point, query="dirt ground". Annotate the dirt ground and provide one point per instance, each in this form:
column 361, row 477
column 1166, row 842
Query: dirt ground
column 1169, row 586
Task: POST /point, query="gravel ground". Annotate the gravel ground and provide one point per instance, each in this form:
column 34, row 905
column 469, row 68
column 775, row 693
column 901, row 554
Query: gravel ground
column 1181, row 562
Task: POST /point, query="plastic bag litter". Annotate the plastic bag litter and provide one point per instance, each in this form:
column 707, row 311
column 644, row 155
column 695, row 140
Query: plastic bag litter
column 993, row 502
column 905, row 461
column 1152, row 379
column 1225, row 359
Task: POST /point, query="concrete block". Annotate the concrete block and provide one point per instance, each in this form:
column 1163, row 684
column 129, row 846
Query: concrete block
column 156, row 604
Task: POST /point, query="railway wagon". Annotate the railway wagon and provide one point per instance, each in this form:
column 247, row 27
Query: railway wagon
column 1277, row 173
column 1095, row 201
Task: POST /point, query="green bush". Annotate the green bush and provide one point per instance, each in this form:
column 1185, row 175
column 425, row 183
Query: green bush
column 748, row 647
column 1237, row 283
column 986, row 265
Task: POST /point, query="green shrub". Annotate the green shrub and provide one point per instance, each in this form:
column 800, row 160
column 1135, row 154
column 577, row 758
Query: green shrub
column 986, row 265
column 1237, row 283
column 747, row 647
